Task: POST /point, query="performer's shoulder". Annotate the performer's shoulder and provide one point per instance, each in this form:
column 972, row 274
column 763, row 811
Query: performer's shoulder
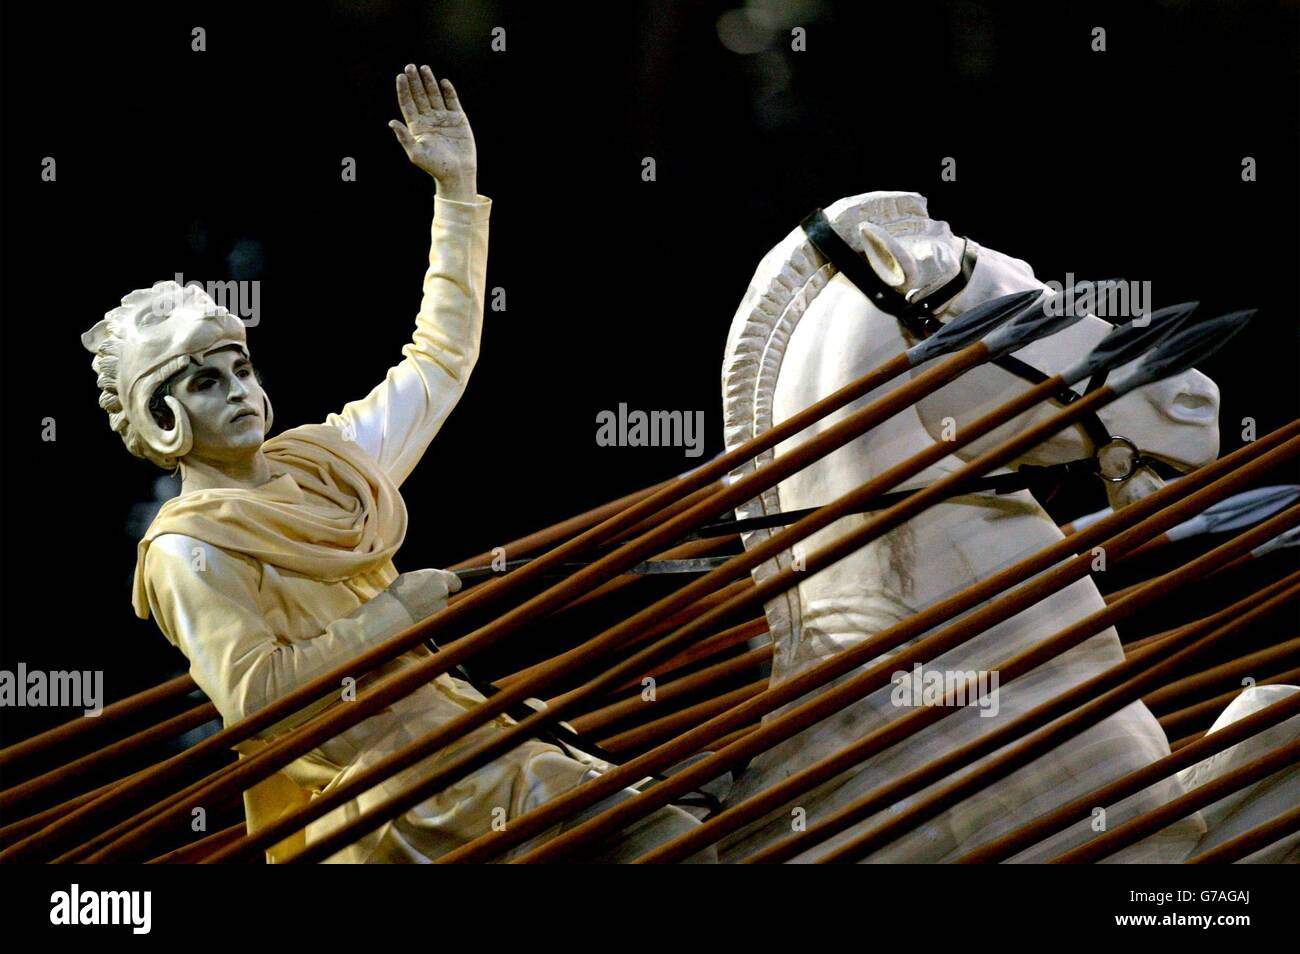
column 313, row 433
column 172, row 552
column 172, row 546
column 336, row 436
column 333, row 434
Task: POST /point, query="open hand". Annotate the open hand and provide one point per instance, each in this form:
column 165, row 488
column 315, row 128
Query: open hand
column 436, row 135
column 424, row 592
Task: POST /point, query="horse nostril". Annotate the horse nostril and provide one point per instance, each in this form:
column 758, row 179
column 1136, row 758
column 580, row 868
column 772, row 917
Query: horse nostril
column 1194, row 404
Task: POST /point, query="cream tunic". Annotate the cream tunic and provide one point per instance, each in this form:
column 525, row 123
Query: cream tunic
column 253, row 631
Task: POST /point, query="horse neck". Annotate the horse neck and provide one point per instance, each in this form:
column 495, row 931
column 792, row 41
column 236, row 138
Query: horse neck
column 839, row 339
column 934, row 554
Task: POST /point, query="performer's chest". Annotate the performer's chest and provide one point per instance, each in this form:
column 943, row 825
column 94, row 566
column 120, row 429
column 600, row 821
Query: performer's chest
column 298, row 607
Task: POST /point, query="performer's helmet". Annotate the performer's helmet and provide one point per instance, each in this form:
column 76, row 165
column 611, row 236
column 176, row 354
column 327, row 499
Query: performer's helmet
column 143, row 344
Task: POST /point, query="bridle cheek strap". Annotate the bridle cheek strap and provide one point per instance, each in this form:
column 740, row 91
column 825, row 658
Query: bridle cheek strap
column 918, row 317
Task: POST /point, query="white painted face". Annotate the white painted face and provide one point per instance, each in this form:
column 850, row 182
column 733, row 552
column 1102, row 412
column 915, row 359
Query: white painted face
column 225, row 405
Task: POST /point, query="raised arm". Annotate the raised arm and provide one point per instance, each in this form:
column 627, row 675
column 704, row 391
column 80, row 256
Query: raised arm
column 396, row 421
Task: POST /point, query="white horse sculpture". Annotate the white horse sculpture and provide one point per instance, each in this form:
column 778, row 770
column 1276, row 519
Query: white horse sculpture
column 802, row 331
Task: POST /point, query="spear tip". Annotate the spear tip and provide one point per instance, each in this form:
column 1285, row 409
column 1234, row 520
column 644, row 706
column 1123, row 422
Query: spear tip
column 971, row 325
column 1130, row 341
column 1043, row 318
column 1191, row 343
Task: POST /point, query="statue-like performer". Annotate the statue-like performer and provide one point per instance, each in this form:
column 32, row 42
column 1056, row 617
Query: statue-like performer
column 275, row 562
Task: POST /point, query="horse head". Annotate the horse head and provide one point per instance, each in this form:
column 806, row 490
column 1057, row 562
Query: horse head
column 1174, row 420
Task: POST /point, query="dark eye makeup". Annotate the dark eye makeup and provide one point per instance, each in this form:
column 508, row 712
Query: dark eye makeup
column 201, row 380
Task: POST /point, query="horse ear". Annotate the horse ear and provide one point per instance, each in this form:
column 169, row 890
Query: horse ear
column 888, row 258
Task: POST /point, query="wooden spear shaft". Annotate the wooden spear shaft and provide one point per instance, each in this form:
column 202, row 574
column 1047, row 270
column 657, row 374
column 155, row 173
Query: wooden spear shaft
column 1013, row 842
column 20, row 829
column 950, row 762
column 885, row 520
column 1118, row 686
column 642, row 736
column 908, row 725
column 188, row 794
column 68, row 774
column 97, row 841
column 634, row 709
column 704, row 649
column 111, row 714
column 1186, row 740
column 667, row 513
column 878, row 675
column 14, row 796
column 559, row 532
column 183, row 685
column 1203, row 713
column 685, row 551
column 1249, row 842
column 196, row 850
column 740, row 565
column 832, row 701
column 1234, row 565
column 126, row 797
column 1153, row 821
column 151, row 822
column 545, row 816
column 1173, row 695
column 736, row 568
column 1140, row 644
column 563, row 620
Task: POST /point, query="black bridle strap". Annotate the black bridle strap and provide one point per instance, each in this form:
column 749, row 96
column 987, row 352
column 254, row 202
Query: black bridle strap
column 1040, row 480
column 566, row 738
column 1027, row 477
column 1091, row 423
column 918, row 317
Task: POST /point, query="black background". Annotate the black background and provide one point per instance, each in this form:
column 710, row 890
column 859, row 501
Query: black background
column 1123, row 163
